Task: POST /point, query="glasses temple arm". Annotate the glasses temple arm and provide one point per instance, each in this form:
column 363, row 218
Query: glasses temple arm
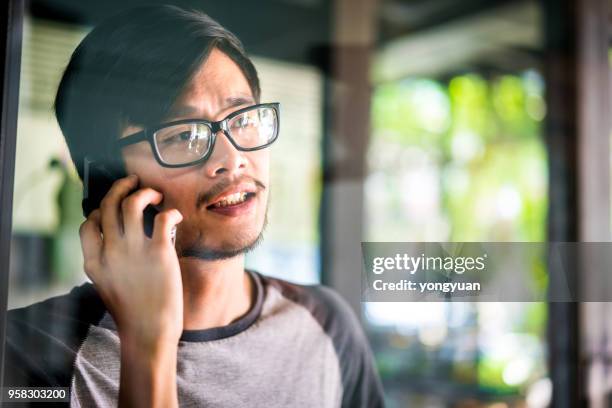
column 132, row 139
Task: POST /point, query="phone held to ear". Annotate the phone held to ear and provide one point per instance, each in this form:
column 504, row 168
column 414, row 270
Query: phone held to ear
column 97, row 182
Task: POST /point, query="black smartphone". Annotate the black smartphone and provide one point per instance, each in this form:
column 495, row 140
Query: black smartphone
column 98, row 180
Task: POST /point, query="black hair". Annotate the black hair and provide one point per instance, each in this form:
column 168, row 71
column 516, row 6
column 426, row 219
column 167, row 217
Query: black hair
column 130, row 69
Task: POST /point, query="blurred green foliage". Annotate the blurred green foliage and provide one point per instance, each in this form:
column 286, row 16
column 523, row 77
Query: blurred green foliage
column 480, row 140
column 485, row 135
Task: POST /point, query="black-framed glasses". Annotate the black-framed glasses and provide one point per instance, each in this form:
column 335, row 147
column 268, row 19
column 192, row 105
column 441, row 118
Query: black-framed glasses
column 188, row 142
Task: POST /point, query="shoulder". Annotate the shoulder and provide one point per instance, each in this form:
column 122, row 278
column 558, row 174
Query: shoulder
column 361, row 384
column 42, row 339
column 325, row 305
column 78, row 308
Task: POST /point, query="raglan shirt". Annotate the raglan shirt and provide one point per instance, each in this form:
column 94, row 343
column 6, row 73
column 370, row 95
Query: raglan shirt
column 297, row 346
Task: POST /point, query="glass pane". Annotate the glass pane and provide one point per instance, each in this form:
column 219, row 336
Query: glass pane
column 55, row 315
column 457, row 154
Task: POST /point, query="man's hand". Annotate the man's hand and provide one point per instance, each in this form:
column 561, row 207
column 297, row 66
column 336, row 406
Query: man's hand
column 139, row 280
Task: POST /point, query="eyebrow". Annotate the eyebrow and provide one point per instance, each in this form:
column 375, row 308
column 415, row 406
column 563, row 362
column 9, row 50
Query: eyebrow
column 230, row 102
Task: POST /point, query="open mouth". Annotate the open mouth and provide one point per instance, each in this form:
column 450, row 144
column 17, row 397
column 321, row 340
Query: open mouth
column 232, row 200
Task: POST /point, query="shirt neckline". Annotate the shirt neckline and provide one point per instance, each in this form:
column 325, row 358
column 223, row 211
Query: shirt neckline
column 240, row 325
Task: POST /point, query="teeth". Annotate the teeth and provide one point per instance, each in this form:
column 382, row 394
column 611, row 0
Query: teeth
column 232, row 199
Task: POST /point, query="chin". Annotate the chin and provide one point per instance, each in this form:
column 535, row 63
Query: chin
column 223, row 245
column 225, row 250
column 235, row 242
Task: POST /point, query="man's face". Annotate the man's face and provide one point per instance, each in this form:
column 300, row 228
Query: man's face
column 210, row 229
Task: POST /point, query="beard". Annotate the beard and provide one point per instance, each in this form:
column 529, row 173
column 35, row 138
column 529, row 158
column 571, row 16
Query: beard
column 226, row 250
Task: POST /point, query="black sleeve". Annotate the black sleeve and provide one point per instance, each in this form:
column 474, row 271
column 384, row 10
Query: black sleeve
column 360, row 380
column 43, row 339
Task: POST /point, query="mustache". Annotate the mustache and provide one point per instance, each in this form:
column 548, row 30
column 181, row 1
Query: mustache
column 206, row 196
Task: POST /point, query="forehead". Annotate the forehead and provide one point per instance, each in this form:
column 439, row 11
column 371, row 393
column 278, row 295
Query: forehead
column 216, row 82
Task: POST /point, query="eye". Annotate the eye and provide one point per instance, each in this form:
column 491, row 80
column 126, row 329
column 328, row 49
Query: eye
column 243, row 121
column 184, row 135
column 177, row 137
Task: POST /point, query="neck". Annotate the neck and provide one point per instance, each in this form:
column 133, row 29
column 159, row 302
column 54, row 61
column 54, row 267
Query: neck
column 215, row 293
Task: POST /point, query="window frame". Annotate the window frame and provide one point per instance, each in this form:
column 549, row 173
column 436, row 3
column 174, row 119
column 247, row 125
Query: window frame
column 11, row 17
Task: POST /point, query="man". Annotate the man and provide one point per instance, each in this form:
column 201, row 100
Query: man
column 167, row 101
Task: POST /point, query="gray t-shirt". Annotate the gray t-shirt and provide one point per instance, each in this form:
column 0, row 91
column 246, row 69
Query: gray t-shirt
column 298, row 346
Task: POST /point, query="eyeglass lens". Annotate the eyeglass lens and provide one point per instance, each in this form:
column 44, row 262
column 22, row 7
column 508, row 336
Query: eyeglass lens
column 188, row 142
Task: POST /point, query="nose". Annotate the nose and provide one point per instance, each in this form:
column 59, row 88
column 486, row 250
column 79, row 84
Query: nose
column 225, row 158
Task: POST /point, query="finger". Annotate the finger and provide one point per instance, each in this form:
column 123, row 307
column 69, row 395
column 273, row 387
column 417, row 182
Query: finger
column 112, row 224
column 91, row 243
column 133, row 207
column 165, row 221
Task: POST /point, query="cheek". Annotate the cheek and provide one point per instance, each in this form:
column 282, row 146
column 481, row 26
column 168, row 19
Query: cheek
column 179, row 193
column 260, row 163
column 177, row 185
column 138, row 158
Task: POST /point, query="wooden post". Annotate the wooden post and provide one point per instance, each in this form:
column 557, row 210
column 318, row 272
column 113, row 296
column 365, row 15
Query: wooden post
column 346, row 140
column 593, row 97
column 577, row 131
